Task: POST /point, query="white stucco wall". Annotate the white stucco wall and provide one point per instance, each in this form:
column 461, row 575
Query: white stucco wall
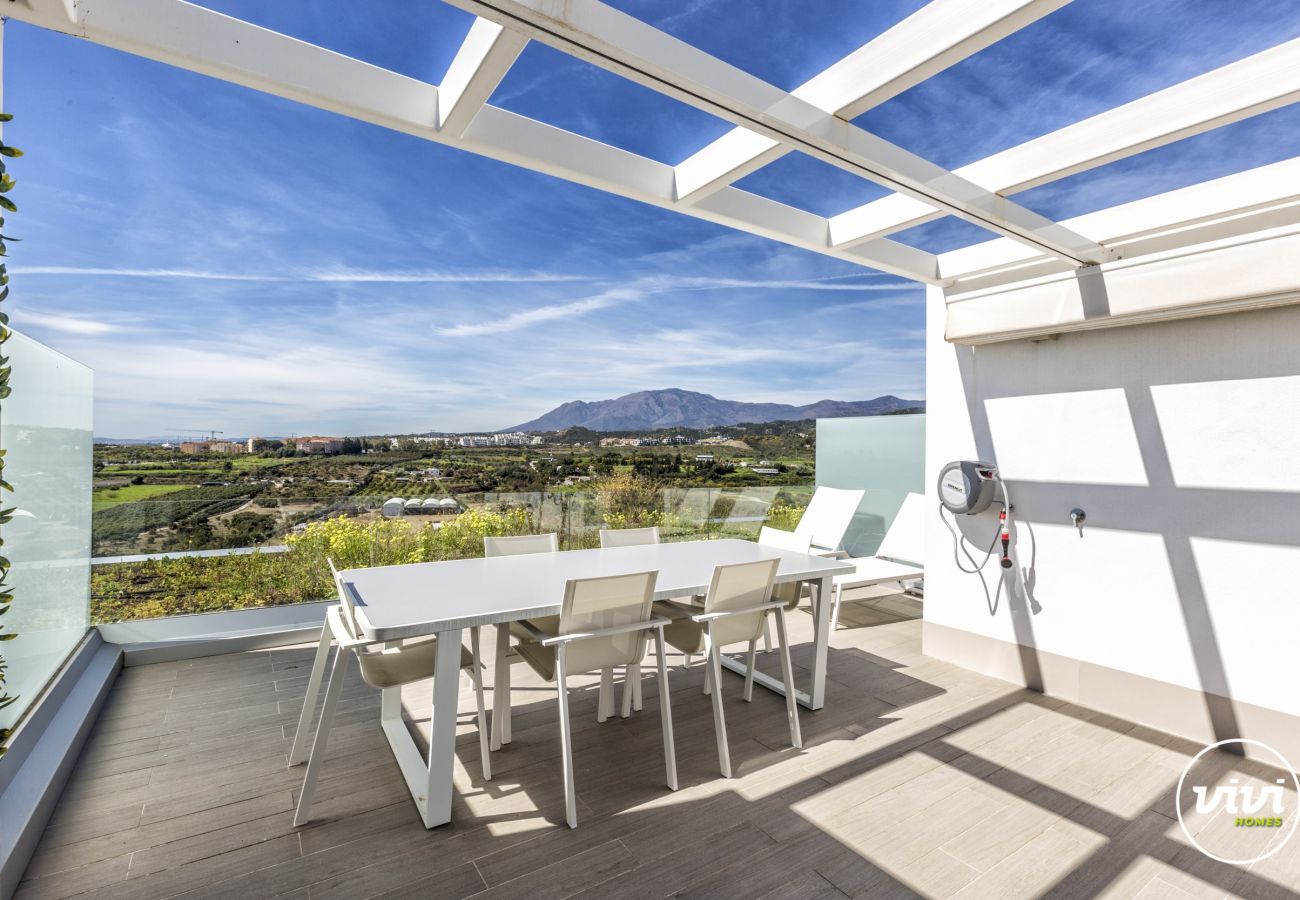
column 1181, row 441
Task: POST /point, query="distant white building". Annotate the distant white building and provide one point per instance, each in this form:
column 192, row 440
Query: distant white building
column 510, row 439
column 474, row 440
column 319, row 444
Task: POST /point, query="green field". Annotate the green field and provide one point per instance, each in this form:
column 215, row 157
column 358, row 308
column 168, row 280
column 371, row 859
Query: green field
column 106, row 498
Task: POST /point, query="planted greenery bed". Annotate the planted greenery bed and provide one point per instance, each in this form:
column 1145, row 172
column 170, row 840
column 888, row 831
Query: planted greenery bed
column 184, row 585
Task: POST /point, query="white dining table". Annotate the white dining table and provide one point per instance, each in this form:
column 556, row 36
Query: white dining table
column 444, row 598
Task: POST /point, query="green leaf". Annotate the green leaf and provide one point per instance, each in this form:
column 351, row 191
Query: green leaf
column 10, row 151
column 8, row 204
column 6, row 237
column 6, row 117
column 7, row 637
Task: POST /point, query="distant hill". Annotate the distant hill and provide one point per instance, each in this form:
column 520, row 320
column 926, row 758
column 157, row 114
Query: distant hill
column 675, row 408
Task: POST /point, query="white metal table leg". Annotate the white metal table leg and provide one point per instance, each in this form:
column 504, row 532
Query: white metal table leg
column 835, row 608
column 666, row 714
column 605, row 699
column 477, row 677
column 337, row 673
column 787, row 672
column 442, row 733
column 501, row 689
column 298, row 752
column 636, row 688
column 821, row 640
column 566, row 739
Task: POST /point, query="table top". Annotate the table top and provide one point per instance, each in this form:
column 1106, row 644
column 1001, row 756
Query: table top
column 395, row 602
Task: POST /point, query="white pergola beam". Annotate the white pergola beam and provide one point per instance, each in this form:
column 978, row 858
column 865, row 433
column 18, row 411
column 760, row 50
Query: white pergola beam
column 1244, row 203
column 483, row 59
column 613, row 40
column 200, row 40
column 939, row 35
column 1239, row 90
column 544, row 148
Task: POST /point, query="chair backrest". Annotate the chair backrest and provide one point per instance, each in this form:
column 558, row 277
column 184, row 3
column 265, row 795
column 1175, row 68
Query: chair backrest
column 347, row 609
column 591, row 604
column 739, row 586
column 905, row 539
column 629, row 537
column 784, row 540
column 828, row 516
column 791, row 591
column 518, row 544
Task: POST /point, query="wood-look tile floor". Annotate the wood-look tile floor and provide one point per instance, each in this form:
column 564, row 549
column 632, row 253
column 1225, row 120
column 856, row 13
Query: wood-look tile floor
column 918, row 778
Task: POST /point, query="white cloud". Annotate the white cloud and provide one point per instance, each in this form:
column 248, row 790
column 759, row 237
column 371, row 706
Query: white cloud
column 519, row 320
column 640, row 288
column 346, row 276
column 63, row 323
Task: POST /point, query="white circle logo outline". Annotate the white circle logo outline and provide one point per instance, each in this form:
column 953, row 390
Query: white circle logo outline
column 1178, row 806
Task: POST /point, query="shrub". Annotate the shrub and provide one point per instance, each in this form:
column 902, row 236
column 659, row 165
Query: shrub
column 784, row 517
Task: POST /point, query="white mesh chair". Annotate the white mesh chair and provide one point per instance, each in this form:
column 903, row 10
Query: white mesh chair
column 791, row 592
column 603, row 623
column 384, row 665
column 510, row 546
column 629, row 537
column 625, row 537
column 738, row 602
column 900, row 556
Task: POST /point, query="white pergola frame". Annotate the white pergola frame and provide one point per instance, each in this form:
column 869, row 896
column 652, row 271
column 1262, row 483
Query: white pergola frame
column 769, row 122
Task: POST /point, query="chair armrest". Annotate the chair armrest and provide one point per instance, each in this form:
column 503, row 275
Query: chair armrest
column 341, row 636
column 762, row 607
column 552, row 640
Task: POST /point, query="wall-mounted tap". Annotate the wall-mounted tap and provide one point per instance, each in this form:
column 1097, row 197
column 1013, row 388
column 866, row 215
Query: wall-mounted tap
column 1077, row 516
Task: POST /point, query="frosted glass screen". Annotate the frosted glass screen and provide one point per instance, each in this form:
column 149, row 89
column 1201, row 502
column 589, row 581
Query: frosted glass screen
column 45, row 427
column 883, row 455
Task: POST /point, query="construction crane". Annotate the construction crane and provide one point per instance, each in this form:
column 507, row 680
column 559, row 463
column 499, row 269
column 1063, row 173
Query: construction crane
column 210, row 432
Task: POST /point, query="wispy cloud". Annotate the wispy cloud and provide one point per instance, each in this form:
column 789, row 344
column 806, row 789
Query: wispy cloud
column 332, row 276
column 63, row 323
column 651, row 285
column 520, row 320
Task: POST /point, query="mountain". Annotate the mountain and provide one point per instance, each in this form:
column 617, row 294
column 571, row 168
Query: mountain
column 675, row 408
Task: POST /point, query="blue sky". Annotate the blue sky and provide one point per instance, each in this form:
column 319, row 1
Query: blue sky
column 229, row 260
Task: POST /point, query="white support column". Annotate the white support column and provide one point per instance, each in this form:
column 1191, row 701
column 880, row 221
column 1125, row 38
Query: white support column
column 483, row 60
